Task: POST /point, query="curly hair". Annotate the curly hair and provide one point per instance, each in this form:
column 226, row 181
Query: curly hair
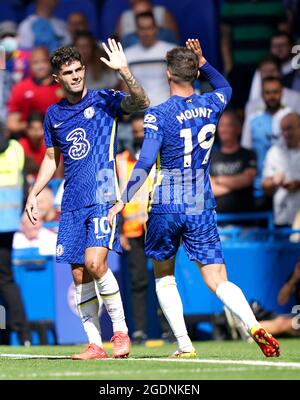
column 64, row 55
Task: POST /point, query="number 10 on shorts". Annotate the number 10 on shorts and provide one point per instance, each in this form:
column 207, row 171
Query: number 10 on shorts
column 101, row 225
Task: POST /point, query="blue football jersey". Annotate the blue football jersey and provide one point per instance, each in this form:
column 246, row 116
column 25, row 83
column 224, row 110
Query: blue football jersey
column 85, row 133
column 186, row 129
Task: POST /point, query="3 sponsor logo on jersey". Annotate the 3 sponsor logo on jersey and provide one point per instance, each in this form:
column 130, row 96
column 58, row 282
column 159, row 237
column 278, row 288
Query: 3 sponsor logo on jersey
column 89, row 112
column 80, row 146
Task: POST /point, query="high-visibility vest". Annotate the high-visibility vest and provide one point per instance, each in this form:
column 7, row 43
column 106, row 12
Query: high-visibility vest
column 135, row 212
column 11, row 186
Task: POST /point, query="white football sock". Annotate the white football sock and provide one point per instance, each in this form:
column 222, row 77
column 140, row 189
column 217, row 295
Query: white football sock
column 234, row 299
column 171, row 305
column 110, row 293
column 88, row 309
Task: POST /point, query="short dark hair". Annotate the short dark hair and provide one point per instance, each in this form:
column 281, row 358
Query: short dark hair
column 36, row 116
column 64, row 55
column 271, row 59
column 146, row 14
column 287, row 35
column 271, row 79
column 183, row 64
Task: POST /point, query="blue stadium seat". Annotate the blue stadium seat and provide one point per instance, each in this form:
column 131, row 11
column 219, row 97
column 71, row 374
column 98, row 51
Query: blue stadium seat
column 7, row 12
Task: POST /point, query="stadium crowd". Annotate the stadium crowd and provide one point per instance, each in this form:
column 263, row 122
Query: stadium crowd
column 255, row 162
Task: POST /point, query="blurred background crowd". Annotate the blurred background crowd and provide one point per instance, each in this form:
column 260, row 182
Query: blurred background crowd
column 255, row 163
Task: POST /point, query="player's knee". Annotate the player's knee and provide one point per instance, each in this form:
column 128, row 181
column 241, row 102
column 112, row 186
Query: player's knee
column 96, row 268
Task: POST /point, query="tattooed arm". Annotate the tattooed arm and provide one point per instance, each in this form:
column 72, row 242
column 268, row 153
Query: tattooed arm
column 137, row 99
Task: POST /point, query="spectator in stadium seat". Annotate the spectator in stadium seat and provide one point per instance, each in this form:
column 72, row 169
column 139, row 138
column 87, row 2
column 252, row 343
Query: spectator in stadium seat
column 262, row 129
column 11, row 202
column 281, row 45
column 270, row 67
column 281, row 176
column 233, row 168
column 16, row 58
column 14, row 67
column 98, row 75
column 39, row 236
column 43, row 29
column 35, row 93
column 33, row 143
column 127, row 30
column 77, row 23
column 147, row 59
column 246, row 31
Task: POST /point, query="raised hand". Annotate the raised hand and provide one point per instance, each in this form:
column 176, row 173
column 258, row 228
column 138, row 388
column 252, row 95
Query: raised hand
column 117, row 59
column 194, row 45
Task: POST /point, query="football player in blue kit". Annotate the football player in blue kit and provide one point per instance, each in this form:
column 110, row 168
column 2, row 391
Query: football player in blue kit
column 82, row 127
column 179, row 135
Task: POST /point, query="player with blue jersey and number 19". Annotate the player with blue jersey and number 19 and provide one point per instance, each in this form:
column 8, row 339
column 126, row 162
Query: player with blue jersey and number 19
column 179, row 135
column 82, row 127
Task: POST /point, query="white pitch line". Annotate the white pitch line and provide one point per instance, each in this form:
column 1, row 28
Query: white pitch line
column 277, row 364
column 237, row 362
column 24, row 356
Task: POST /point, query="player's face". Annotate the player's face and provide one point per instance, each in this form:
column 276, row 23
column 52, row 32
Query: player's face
column 146, row 30
column 228, row 129
column 71, row 77
column 272, row 94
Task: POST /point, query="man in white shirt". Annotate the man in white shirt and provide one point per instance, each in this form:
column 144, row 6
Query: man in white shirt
column 270, row 67
column 147, row 59
column 262, row 129
column 281, row 176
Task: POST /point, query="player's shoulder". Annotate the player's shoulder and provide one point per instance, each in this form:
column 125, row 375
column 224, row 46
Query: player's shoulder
column 213, row 97
column 157, row 111
column 106, row 93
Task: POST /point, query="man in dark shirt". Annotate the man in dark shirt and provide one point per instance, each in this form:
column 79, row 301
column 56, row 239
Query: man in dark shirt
column 233, row 168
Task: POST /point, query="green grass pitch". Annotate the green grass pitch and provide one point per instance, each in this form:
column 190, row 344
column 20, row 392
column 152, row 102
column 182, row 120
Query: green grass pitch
column 216, row 360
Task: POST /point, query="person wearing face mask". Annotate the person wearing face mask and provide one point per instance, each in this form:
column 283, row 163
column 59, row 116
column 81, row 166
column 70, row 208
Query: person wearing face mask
column 132, row 231
column 16, row 58
column 14, row 64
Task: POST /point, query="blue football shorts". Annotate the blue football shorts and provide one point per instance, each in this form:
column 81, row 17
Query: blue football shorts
column 198, row 233
column 86, row 227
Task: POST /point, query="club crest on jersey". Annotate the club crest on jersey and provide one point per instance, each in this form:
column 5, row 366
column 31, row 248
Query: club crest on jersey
column 80, row 146
column 59, row 250
column 89, row 112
